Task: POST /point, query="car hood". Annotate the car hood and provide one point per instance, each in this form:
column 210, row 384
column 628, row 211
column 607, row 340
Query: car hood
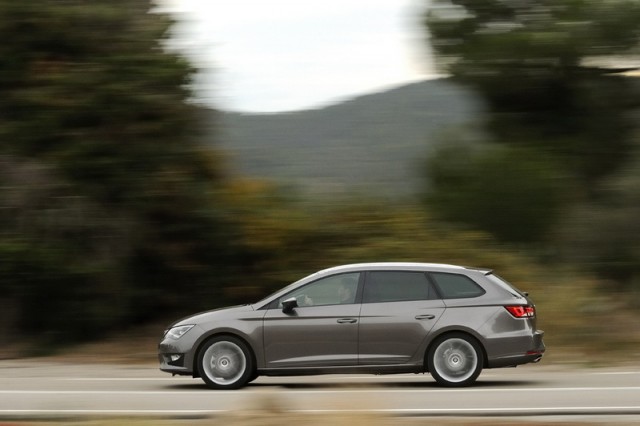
column 207, row 316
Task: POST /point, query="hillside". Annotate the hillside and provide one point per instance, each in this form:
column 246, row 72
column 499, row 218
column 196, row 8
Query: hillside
column 374, row 143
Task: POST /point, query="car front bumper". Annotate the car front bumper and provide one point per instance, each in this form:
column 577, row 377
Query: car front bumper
column 176, row 356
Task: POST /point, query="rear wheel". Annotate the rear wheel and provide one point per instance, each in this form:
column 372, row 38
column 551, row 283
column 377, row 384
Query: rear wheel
column 225, row 362
column 455, row 360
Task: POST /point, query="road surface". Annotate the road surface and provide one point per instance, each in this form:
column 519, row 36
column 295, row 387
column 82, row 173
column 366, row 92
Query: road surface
column 31, row 389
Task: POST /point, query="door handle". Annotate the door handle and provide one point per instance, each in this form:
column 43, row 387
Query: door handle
column 347, row 320
column 425, row 316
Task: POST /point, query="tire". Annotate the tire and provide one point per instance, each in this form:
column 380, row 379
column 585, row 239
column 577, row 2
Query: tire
column 455, row 360
column 225, row 362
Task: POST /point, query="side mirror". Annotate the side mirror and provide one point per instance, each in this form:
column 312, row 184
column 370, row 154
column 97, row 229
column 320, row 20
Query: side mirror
column 289, row 304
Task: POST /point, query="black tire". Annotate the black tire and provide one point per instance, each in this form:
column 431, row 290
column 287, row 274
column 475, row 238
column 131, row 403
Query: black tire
column 455, row 360
column 225, row 362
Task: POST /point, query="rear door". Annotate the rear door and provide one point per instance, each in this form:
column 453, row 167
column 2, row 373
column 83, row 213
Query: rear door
column 399, row 309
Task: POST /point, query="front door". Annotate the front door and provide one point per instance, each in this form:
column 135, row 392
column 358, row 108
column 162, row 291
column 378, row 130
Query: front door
column 322, row 331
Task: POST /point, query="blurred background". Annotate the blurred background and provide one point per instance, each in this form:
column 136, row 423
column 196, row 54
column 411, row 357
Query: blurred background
column 140, row 180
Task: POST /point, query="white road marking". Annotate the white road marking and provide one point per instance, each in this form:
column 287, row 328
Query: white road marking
column 622, row 409
column 114, row 412
column 433, row 411
column 118, row 379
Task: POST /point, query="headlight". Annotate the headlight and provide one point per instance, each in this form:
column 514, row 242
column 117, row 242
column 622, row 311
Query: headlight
column 176, row 332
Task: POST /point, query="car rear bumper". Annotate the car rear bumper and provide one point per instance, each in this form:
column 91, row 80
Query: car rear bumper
column 533, row 353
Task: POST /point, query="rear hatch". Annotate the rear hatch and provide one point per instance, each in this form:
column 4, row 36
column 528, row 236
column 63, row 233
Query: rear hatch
column 523, row 306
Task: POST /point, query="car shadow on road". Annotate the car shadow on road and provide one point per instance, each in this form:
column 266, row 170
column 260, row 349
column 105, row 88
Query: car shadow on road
column 427, row 384
column 387, row 384
column 187, row 386
column 478, row 384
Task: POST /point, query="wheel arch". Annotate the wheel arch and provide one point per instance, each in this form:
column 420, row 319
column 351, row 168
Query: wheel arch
column 453, row 331
column 208, row 337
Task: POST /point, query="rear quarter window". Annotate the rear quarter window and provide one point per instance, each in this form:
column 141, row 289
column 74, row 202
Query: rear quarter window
column 505, row 285
column 456, row 286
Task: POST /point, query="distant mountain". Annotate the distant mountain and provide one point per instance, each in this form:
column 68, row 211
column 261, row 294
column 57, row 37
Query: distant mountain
column 373, row 144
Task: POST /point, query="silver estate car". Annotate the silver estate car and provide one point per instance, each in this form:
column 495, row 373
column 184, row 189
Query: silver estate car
column 379, row 318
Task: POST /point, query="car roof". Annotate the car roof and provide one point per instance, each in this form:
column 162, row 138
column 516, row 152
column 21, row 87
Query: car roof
column 391, row 266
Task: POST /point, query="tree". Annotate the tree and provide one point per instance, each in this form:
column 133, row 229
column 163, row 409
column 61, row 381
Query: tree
column 543, row 66
column 511, row 192
column 110, row 205
column 602, row 236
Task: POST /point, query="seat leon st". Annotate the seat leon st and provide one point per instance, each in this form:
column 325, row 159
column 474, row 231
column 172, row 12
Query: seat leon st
column 380, row 318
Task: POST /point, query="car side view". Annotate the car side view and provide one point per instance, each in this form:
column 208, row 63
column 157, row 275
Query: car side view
column 379, row 318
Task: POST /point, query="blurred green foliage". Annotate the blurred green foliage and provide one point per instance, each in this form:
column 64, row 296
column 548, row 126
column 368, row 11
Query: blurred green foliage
column 114, row 212
column 602, row 236
column 110, row 213
column 515, row 193
column 551, row 73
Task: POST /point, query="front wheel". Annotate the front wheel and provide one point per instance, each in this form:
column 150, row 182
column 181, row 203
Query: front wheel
column 455, row 360
column 225, row 362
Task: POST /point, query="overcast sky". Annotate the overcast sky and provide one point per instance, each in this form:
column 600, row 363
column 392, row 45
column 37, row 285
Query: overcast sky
column 280, row 55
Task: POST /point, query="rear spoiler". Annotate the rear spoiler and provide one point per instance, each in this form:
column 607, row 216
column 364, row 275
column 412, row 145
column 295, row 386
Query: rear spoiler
column 485, row 271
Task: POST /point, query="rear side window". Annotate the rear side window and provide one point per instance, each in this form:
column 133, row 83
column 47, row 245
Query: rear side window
column 456, row 286
column 396, row 286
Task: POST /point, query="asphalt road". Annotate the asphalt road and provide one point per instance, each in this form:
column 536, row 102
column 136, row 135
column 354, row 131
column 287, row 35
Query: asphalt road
column 31, row 389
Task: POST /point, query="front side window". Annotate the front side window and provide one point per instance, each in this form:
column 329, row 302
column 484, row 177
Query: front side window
column 456, row 286
column 396, row 286
column 334, row 290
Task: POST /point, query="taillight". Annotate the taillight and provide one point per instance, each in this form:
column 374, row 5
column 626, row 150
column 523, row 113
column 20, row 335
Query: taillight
column 521, row 311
